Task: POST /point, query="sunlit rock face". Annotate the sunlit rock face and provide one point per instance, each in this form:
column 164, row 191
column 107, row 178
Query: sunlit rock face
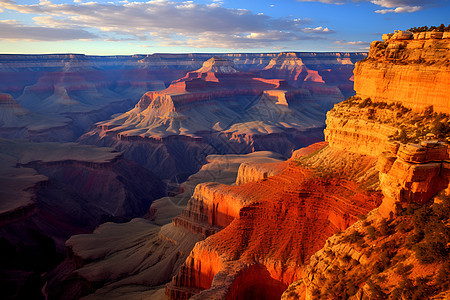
column 214, row 109
column 412, row 173
column 321, row 73
column 349, row 129
column 414, row 72
column 219, row 108
column 271, row 226
column 138, row 256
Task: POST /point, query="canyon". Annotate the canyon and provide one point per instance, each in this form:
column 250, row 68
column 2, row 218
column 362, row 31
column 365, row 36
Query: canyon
column 271, row 227
column 74, row 91
column 218, row 110
column 51, row 191
column 53, row 187
column 361, row 215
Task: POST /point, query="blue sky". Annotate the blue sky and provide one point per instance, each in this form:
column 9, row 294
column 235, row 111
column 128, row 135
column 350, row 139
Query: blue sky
column 140, row 27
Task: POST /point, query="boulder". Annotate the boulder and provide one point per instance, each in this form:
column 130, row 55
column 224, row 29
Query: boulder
column 387, row 36
column 402, row 35
column 434, row 35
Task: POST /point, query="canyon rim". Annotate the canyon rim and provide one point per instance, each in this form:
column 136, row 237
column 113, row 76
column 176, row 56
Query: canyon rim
column 241, row 171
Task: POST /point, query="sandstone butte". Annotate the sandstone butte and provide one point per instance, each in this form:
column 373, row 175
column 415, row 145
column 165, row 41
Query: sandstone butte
column 218, row 110
column 261, row 233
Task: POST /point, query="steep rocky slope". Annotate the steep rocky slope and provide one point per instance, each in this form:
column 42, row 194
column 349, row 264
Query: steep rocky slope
column 403, row 257
column 135, row 258
column 401, row 249
column 51, row 191
column 262, row 234
column 264, row 240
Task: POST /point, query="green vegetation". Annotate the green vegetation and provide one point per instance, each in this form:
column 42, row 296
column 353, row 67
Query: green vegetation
column 396, row 248
column 430, row 238
column 413, row 127
column 440, row 28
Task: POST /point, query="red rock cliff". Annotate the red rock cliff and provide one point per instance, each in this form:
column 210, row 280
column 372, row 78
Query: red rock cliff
column 415, row 72
column 272, row 227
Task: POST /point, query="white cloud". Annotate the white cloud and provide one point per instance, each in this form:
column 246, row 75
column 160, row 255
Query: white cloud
column 166, row 22
column 401, row 9
column 393, row 6
column 13, row 30
column 353, row 43
column 319, row 29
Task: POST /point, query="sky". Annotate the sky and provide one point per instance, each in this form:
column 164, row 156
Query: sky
column 108, row 27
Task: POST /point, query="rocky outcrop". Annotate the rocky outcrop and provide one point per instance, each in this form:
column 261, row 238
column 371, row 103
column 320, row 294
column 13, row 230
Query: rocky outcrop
column 291, row 208
column 322, row 75
column 249, row 172
column 412, row 173
column 414, row 72
column 118, row 247
column 381, row 258
column 347, row 130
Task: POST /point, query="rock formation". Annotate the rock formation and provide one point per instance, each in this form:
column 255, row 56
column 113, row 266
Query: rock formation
column 308, row 228
column 255, row 216
column 51, row 191
column 113, row 261
column 413, row 173
column 260, row 233
column 414, row 72
column 70, row 92
column 212, row 110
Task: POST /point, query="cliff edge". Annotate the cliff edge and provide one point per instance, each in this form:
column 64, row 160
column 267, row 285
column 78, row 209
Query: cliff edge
column 413, row 69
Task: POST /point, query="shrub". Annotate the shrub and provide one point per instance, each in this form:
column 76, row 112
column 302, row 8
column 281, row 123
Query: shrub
column 384, row 228
column 375, row 290
column 415, row 238
column 366, row 102
column 402, row 269
column 442, row 280
column 429, row 252
column 353, row 237
column 371, row 232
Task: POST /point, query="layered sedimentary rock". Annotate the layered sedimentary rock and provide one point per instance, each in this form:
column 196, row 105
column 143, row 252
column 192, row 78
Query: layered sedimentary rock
column 414, row 72
column 113, row 261
column 51, row 191
column 383, row 256
column 271, row 227
column 324, row 75
column 249, row 172
column 252, row 254
column 73, row 91
column 374, row 259
column 352, row 128
column 413, row 173
column 213, row 110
